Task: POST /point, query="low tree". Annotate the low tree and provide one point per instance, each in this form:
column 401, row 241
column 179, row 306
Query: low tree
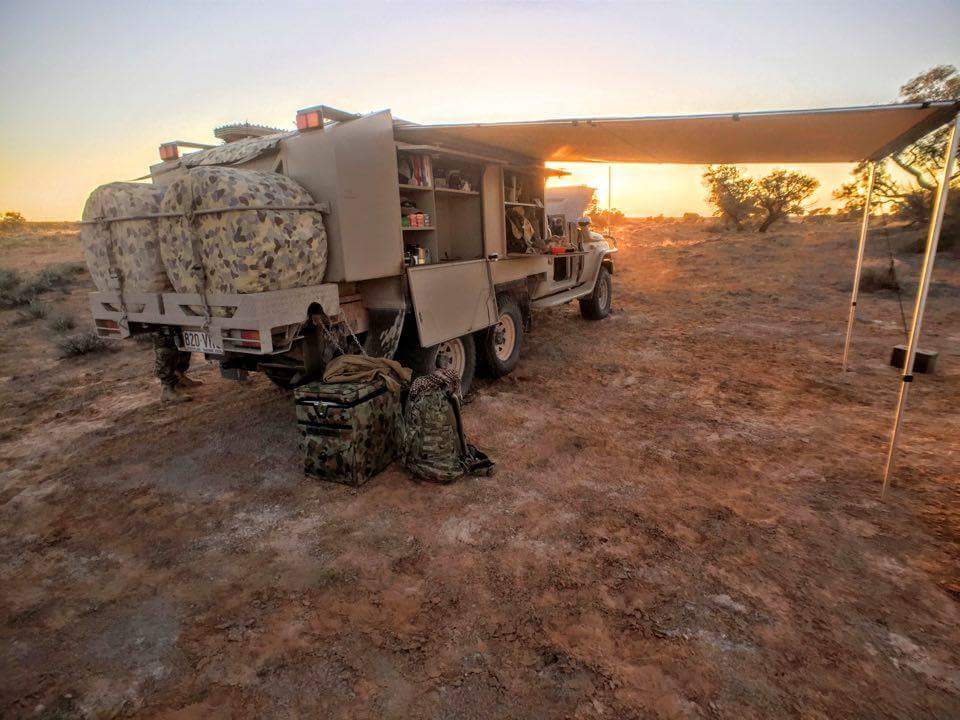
column 11, row 220
column 731, row 193
column 605, row 217
column 782, row 193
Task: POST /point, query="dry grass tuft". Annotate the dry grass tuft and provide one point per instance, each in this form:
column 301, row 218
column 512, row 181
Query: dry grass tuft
column 877, row 277
column 84, row 344
column 62, row 324
column 34, row 310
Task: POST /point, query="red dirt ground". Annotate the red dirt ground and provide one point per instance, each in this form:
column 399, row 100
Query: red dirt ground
column 685, row 524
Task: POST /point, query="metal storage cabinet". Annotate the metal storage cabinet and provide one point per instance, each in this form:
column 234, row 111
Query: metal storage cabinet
column 353, row 167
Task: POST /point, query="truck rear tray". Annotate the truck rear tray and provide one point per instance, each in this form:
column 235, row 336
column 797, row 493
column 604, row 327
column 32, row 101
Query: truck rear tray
column 265, row 313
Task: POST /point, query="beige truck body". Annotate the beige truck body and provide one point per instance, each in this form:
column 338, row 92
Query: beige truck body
column 351, row 167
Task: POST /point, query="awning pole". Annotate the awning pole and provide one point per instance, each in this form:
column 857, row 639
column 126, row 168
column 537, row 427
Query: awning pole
column 859, row 267
column 933, row 239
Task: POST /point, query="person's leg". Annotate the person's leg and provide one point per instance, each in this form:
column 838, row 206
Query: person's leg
column 167, row 361
column 183, row 364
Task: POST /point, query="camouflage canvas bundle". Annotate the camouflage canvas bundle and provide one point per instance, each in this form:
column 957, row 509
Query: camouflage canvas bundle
column 128, row 246
column 235, row 153
column 434, row 448
column 249, row 247
column 348, row 431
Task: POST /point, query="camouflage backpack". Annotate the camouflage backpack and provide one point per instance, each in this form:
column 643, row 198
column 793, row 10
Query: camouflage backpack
column 434, row 448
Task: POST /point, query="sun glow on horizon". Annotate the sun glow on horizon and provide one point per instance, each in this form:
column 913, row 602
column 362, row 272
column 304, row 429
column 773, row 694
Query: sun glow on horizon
column 641, row 190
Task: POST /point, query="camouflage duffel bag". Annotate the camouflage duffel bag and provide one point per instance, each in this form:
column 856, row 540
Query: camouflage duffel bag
column 434, row 447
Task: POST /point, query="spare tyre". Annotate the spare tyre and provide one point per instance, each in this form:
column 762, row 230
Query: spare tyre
column 120, row 232
column 240, row 231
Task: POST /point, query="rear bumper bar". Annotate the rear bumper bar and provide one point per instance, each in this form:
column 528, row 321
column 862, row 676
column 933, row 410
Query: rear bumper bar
column 265, row 312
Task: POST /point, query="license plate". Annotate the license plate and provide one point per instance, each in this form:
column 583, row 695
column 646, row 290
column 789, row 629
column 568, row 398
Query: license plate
column 199, row 341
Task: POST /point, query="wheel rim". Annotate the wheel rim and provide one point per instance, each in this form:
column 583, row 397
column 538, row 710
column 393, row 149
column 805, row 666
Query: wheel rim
column 603, row 293
column 504, row 337
column 451, row 354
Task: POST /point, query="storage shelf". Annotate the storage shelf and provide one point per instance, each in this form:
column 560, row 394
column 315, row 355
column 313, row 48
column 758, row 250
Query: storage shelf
column 519, row 204
column 452, row 191
column 405, row 229
column 423, row 188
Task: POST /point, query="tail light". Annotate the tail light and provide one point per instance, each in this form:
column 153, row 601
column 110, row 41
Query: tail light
column 250, row 338
column 242, row 338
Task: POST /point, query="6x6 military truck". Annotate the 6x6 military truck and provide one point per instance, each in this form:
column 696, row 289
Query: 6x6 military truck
column 277, row 250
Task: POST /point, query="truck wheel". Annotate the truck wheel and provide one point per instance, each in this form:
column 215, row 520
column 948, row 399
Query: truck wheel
column 596, row 305
column 500, row 344
column 459, row 354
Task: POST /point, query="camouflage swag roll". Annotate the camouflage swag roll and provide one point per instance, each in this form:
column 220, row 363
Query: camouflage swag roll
column 128, row 245
column 255, row 245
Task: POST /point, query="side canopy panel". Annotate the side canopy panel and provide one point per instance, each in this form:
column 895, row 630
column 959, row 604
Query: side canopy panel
column 452, row 299
column 353, row 166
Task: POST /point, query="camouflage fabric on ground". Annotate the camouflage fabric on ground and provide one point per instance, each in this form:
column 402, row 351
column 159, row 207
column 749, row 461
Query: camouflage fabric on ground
column 348, row 431
column 434, row 448
column 130, row 246
column 243, row 250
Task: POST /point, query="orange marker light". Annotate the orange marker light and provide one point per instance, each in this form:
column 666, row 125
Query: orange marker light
column 169, row 151
column 309, row 119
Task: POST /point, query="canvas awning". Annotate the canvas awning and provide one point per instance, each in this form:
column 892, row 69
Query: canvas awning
column 792, row 136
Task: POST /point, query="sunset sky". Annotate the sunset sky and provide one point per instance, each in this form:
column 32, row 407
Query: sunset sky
column 91, row 88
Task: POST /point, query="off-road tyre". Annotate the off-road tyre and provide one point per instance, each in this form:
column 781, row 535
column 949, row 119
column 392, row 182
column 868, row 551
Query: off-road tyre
column 596, row 305
column 424, row 361
column 498, row 357
column 283, row 378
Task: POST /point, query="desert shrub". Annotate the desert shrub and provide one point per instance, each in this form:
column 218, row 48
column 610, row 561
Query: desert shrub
column 33, row 310
column 878, row 276
column 9, row 280
column 11, row 221
column 14, row 292
column 14, row 299
column 62, row 323
column 691, row 217
column 604, row 217
column 54, row 277
column 84, row 344
column 10, row 294
column 60, row 274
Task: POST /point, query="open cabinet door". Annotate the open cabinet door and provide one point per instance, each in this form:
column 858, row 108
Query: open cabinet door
column 452, row 299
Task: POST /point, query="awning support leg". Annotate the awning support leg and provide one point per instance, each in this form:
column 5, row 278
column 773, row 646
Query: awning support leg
column 933, row 239
column 859, row 267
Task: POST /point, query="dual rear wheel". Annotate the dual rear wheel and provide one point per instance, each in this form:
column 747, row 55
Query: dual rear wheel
column 495, row 351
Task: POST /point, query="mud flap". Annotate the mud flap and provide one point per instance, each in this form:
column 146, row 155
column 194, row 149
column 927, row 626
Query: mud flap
column 383, row 336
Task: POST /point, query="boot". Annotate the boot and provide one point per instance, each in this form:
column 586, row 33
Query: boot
column 173, row 395
column 188, row 382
